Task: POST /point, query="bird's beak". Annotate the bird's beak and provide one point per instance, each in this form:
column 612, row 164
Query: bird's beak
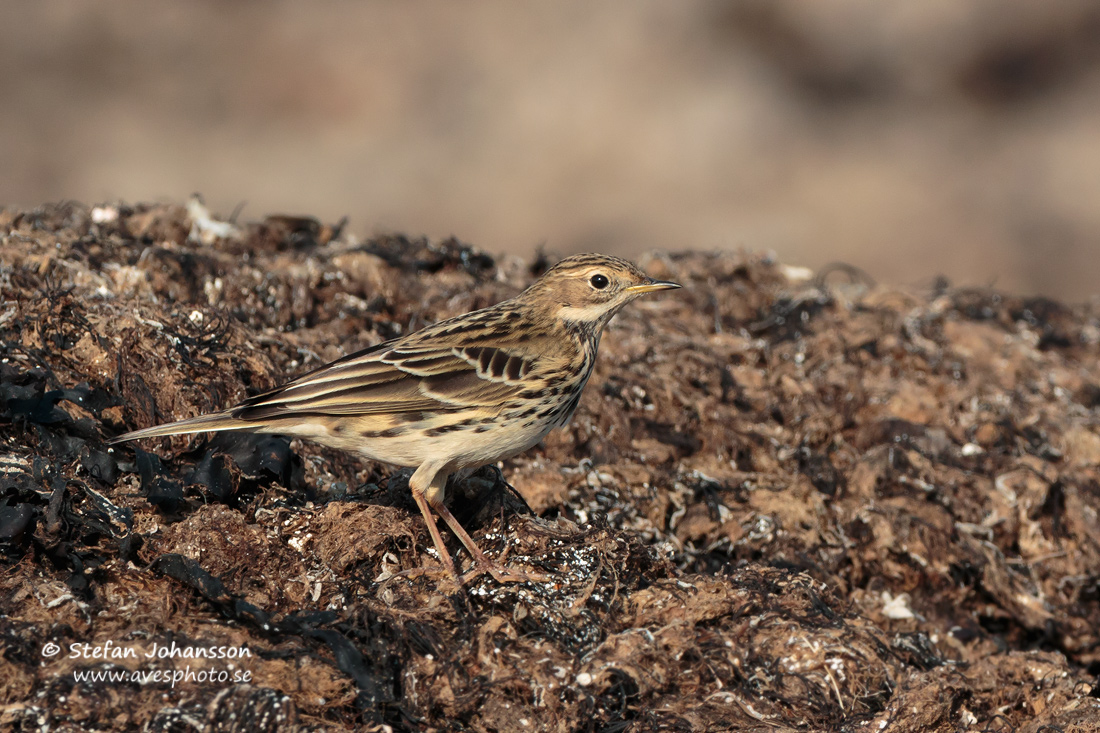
column 652, row 286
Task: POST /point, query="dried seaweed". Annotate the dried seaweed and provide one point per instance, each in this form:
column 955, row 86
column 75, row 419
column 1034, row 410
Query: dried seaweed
column 790, row 505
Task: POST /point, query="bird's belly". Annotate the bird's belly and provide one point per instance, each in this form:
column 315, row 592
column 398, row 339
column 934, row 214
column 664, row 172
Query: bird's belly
column 458, row 442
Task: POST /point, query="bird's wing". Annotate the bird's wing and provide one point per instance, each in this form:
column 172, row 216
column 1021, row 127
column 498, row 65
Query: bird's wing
column 398, row 377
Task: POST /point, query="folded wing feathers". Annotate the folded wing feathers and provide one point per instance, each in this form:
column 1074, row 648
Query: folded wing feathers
column 415, row 376
column 396, row 380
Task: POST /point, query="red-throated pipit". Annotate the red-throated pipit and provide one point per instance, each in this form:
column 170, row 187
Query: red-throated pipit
column 460, row 394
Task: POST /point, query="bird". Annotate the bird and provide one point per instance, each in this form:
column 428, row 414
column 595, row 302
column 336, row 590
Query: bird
column 457, row 395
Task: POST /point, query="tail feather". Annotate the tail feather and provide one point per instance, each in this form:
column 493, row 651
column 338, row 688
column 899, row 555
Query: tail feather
column 204, row 423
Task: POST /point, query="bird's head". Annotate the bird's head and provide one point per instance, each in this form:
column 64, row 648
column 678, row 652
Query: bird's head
column 589, row 289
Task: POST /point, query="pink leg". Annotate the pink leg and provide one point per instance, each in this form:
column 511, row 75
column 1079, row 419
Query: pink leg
column 418, row 484
column 434, row 495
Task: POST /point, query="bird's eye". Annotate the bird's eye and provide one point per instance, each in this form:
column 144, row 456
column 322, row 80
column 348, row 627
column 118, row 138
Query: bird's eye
column 599, row 281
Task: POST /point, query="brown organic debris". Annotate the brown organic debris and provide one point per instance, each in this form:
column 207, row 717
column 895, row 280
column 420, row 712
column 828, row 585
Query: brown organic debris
column 780, row 506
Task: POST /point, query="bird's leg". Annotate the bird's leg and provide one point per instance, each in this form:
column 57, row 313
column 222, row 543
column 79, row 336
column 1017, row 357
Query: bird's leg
column 421, row 484
column 435, row 494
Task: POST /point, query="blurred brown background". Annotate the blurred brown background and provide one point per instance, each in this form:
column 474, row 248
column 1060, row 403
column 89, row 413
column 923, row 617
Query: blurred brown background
column 908, row 138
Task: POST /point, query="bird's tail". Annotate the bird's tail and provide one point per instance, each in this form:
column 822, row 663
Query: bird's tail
column 205, row 423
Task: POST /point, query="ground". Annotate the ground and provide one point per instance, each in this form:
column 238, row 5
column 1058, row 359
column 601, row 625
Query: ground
column 788, row 500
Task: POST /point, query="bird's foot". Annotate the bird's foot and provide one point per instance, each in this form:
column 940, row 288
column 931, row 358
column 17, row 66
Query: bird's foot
column 501, row 575
column 445, row 579
column 483, row 565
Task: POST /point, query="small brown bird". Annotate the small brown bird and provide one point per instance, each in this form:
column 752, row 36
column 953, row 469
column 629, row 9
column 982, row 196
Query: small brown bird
column 460, row 394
